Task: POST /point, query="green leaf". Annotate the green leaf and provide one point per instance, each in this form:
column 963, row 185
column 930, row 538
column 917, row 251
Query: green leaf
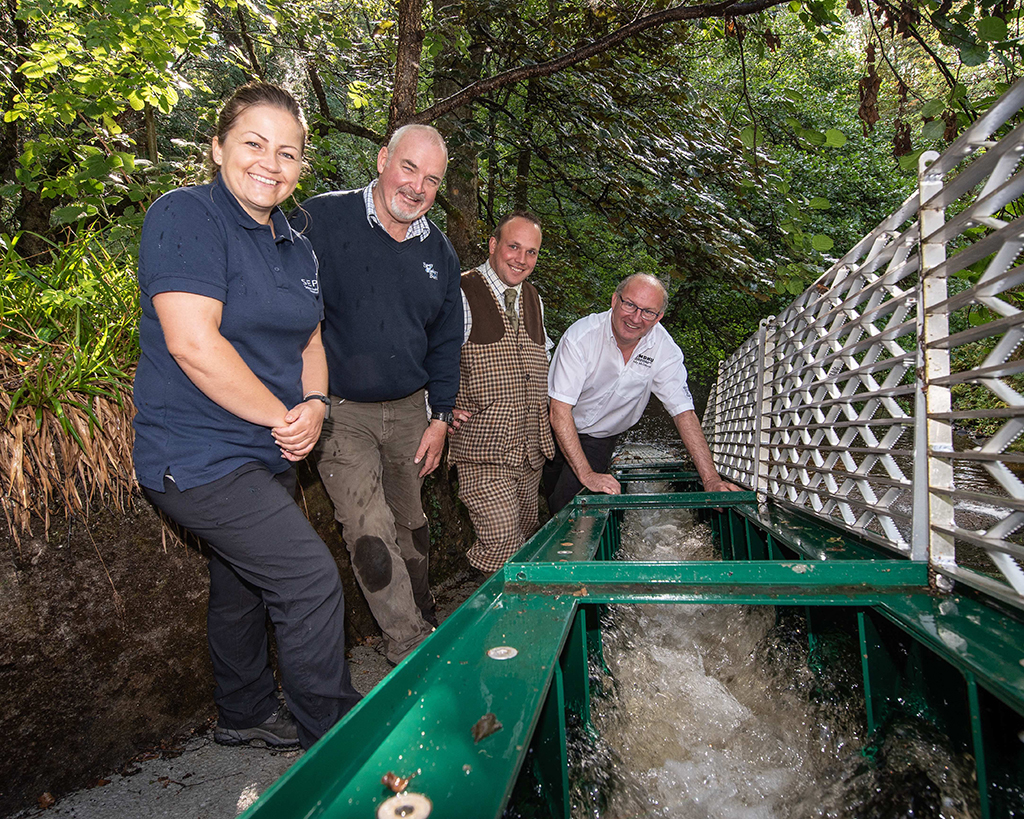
column 933, row 108
column 748, row 137
column 816, row 138
column 820, row 203
column 933, row 130
column 978, row 316
column 992, row 29
column 135, row 100
column 909, row 162
column 974, row 54
column 127, row 160
column 835, row 138
column 71, row 213
column 821, row 242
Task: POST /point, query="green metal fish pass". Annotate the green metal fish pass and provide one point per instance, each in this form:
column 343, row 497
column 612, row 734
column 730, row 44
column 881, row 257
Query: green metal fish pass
column 876, row 504
column 501, row 677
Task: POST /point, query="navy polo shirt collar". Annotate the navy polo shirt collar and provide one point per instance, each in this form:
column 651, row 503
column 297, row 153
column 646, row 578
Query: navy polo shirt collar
column 226, row 199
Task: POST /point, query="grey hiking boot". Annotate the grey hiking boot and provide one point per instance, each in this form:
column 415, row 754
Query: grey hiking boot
column 279, row 730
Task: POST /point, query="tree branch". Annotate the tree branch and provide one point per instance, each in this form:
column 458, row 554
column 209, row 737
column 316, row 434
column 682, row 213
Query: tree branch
column 254, row 62
column 936, row 59
column 324, row 111
column 729, row 8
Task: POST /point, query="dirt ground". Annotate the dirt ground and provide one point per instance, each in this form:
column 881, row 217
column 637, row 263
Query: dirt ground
column 103, row 639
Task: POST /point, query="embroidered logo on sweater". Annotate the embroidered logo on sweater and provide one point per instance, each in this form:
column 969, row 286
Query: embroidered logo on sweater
column 429, row 268
column 312, row 285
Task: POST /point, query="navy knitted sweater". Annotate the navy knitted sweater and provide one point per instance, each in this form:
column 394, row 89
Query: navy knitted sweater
column 393, row 310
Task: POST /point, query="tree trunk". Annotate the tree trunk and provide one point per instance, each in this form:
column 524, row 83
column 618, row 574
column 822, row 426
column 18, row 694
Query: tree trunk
column 151, row 149
column 407, row 64
column 525, row 158
column 453, row 72
column 10, row 132
column 33, row 217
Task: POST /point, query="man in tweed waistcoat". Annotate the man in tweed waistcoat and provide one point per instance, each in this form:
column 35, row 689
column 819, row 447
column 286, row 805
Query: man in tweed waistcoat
column 501, row 433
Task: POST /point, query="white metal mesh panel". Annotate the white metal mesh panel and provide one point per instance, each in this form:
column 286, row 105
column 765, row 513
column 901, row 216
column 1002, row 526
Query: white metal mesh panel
column 983, row 238
column 892, row 399
column 840, row 426
column 737, row 406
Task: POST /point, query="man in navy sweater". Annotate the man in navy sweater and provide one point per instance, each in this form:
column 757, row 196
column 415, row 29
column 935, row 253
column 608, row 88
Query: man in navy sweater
column 393, row 334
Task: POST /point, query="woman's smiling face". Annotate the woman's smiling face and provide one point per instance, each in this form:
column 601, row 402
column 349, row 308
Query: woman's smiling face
column 260, row 159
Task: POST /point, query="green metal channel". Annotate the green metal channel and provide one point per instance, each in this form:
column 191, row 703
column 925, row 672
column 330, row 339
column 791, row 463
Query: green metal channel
column 546, row 605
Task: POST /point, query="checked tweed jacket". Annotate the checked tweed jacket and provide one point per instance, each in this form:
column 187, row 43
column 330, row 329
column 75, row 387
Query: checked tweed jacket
column 504, row 383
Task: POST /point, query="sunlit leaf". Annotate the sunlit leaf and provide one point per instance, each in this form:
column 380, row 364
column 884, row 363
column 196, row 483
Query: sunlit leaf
column 835, row 138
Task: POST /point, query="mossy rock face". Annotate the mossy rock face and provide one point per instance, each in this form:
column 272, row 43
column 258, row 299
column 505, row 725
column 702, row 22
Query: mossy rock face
column 103, row 637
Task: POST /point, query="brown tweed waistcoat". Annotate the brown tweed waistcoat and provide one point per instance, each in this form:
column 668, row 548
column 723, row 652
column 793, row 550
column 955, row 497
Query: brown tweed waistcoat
column 504, row 382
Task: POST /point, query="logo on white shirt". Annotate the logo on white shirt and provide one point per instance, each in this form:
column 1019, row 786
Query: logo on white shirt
column 427, row 266
column 312, row 285
column 643, row 360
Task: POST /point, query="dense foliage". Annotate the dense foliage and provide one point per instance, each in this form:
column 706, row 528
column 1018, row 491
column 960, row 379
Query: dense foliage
column 732, row 148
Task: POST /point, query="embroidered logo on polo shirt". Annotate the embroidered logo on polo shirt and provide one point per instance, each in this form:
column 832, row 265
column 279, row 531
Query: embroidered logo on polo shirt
column 312, row 285
column 429, row 268
column 644, row 360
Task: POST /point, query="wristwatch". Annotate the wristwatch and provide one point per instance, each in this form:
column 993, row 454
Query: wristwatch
column 447, row 417
column 320, row 397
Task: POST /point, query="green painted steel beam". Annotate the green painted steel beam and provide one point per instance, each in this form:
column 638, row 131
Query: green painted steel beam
column 810, row 574
column 667, row 500
column 608, row 594
column 838, row 583
column 638, row 476
column 657, row 468
column 575, row 537
column 970, row 635
column 419, row 721
column 810, row 536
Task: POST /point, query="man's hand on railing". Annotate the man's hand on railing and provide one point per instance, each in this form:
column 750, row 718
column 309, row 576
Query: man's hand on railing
column 601, row 482
column 721, row 485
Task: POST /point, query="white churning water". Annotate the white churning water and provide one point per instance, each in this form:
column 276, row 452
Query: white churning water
column 712, row 711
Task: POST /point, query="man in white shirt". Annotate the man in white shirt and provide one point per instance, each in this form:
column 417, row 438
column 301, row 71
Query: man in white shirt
column 601, row 377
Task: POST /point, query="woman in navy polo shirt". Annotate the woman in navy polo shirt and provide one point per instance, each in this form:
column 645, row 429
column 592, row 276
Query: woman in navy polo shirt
column 230, row 390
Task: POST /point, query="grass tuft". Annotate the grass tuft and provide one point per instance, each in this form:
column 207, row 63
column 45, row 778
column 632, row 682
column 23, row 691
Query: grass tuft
column 68, row 347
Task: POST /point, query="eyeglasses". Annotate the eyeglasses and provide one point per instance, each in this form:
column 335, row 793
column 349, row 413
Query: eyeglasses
column 629, row 307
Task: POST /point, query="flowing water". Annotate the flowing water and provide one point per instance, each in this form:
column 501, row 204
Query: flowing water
column 715, row 711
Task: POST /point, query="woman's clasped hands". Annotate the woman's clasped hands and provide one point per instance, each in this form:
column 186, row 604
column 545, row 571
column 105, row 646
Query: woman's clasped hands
column 300, row 431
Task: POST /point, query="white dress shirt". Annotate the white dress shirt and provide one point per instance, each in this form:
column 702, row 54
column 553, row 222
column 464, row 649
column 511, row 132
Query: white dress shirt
column 608, row 395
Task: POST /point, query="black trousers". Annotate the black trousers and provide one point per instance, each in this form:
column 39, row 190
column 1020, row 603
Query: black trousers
column 560, row 483
column 266, row 557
